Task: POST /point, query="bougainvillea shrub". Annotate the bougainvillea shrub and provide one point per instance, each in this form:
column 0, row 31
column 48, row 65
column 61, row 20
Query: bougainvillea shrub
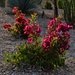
column 20, row 23
column 47, row 51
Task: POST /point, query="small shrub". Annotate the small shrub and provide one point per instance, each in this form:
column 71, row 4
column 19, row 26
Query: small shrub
column 45, row 52
column 20, row 23
column 48, row 5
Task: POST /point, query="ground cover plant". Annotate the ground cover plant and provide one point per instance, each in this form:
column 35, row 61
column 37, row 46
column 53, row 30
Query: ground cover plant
column 47, row 51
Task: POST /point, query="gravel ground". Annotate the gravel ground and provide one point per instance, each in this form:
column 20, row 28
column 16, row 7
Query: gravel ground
column 8, row 44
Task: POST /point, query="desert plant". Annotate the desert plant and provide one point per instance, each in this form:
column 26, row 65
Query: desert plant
column 24, row 5
column 45, row 52
column 60, row 5
column 69, row 11
column 48, row 5
column 20, row 23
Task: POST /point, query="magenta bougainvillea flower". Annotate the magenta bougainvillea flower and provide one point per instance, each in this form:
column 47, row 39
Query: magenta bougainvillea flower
column 32, row 29
column 57, row 36
column 15, row 9
column 28, row 29
column 57, row 32
column 64, row 27
column 7, row 26
column 30, row 40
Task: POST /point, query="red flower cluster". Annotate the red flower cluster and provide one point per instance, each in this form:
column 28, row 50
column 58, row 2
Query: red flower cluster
column 52, row 22
column 46, row 44
column 57, row 36
column 22, row 20
column 24, row 26
column 32, row 29
column 15, row 9
column 7, row 26
column 64, row 27
column 30, row 40
column 49, row 40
